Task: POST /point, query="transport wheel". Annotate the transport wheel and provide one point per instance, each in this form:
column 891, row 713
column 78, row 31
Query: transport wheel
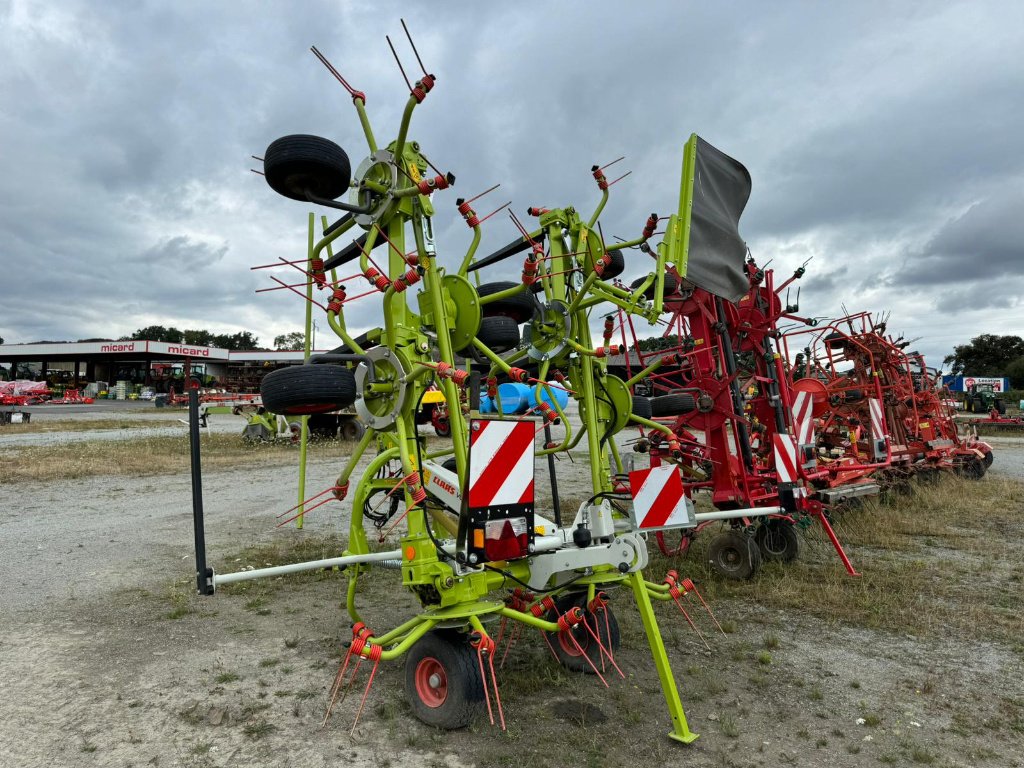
column 450, row 464
column 989, row 458
column 299, row 163
column 734, row 555
column 443, row 428
column 1000, row 406
column 520, row 307
column 352, row 430
column 971, row 468
column 617, row 266
column 571, row 657
column 499, row 333
column 671, row 285
column 778, row 540
column 642, row 407
column 305, row 389
column 673, row 405
column 442, row 680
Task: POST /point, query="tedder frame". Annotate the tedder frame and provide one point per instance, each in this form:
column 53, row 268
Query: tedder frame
column 466, row 541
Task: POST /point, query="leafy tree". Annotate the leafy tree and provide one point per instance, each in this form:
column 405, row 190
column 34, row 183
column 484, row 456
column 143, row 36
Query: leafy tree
column 236, row 341
column 199, row 338
column 986, row 355
column 157, row 333
column 654, row 343
column 294, row 340
column 1015, row 371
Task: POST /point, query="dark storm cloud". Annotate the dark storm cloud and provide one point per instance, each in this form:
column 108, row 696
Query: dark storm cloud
column 882, row 140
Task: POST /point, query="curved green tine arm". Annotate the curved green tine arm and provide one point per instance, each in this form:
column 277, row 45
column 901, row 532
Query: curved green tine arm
column 364, row 120
column 468, row 258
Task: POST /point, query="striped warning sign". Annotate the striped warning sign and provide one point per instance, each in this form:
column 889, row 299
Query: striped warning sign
column 877, row 419
column 658, row 499
column 803, row 418
column 785, row 458
column 501, row 463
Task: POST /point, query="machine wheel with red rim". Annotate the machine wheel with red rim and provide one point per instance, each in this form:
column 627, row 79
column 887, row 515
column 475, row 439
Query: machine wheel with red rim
column 569, row 655
column 307, row 389
column 734, row 555
column 778, row 540
column 442, row 680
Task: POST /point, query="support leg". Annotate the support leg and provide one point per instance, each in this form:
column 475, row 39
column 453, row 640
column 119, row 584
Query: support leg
column 680, row 730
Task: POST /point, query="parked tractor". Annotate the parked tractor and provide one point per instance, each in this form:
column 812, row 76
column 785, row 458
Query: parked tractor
column 983, row 398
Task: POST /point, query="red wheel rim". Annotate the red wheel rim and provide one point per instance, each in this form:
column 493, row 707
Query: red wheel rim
column 565, row 641
column 431, row 682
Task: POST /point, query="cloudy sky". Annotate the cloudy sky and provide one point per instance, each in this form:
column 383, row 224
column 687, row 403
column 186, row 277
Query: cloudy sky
column 884, row 140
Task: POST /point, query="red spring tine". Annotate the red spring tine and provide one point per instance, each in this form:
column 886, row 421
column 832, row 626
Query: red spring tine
column 497, row 695
column 513, row 636
column 674, row 592
column 604, row 651
column 375, row 654
column 567, row 622
column 413, row 46
column 689, row 586
column 339, row 678
column 476, row 640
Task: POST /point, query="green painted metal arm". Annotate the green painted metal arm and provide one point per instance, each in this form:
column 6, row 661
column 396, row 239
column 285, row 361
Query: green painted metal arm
column 468, row 258
column 529, row 619
column 600, row 207
column 645, row 372
column 364, row 120
column 403, row 129
column 652, row 425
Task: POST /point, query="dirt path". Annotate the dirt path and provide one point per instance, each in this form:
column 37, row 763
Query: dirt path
column 108, row 659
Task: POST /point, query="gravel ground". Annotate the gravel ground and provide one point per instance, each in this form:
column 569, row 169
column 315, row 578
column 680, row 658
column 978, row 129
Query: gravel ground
column 106, row 659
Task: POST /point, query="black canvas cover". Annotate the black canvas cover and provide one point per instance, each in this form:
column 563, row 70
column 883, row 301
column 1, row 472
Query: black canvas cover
column 721, row 187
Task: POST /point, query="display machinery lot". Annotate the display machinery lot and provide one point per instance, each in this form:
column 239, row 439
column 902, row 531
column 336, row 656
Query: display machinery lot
column 107, row 658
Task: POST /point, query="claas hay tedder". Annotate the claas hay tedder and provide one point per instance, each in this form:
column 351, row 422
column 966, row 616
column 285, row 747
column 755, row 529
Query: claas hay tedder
column 481, row 556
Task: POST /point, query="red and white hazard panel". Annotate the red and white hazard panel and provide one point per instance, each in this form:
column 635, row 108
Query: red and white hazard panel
column 803, row 418
column 498, row 524
column 785, row 457
column 658, row 499
column 878, row 435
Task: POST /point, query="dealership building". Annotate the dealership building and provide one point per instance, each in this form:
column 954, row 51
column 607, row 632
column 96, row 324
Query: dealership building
column 140, row 362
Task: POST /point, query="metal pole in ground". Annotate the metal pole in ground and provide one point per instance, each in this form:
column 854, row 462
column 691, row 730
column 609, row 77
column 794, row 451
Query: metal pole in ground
column 204, row 574
column 304, row 434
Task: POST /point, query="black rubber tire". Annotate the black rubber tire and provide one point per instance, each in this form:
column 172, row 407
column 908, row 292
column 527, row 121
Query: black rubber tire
column 294, row 164
column 568, row 656
column 673, row 405
column 671, row 285
column 835, row 340
column 450, row 657
column 500, row 333
column 306, row 389
column 443, row 431
column 616, row 267
column 853, row 395
column 1000, row 406
column 734, row 555
column 450, row 464
column 352, row 429
column 989, row 458
column 778, row 540
column 971, row 468
column 642, row 407
column 521, row 307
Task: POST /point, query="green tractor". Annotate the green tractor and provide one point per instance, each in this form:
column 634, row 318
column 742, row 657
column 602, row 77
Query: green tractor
column 983, row 398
